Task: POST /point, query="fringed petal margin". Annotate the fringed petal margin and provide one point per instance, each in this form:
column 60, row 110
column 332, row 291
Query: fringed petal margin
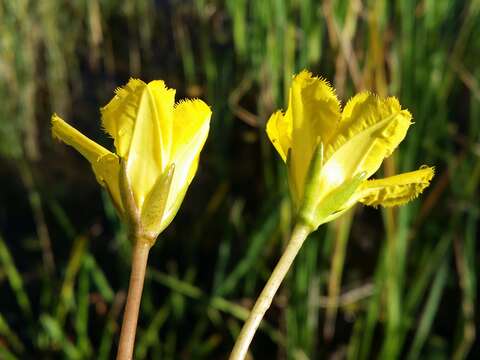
column 395, row 190
column 119, row 115
column 370, row 130
column 279, row 131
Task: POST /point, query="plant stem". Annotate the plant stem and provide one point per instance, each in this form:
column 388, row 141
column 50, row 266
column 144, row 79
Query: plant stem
column 299, row 234
column 134, row 296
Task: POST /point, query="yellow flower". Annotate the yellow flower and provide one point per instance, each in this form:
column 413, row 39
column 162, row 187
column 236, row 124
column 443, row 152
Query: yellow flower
column 330, row 153
column 157, row 144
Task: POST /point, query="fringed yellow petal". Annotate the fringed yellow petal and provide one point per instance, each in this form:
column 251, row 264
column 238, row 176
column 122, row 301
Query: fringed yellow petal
column 395, row 190
column 315, row 112
column 162, row 102
column 279, row 131
column 151, row 141
column 315, row 107
column 191, row 123
column 71, row 136
column 369, row 131
column 119, row 115
column 105, row 164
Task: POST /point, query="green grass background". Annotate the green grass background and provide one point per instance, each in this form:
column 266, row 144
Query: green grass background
column 399, row 284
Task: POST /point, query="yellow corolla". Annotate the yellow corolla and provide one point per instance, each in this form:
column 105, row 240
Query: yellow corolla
column 157, row 144
column 330, row 153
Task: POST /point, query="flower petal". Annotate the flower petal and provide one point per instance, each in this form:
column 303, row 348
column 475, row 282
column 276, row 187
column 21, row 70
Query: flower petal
column 315, row 111
column 370, row 129
column 119, row 115
column 279, row 131
column 395, row 190
column 315, row 108
column 104, row 163
column 151, row 140
column 191, row 123
column 71, row 136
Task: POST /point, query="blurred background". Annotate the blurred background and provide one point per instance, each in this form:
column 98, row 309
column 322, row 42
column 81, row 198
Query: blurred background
column 386, row 284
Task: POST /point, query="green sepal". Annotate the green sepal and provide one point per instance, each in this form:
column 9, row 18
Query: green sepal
column 153, row 208
column 332, row 203
column 173, row 207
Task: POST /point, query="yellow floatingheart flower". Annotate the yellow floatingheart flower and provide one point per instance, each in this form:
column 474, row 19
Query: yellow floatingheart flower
column 331, row 152
column 157, row 144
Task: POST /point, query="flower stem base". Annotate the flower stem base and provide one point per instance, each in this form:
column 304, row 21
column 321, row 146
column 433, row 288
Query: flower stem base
column 130, row 316
column 264, row 301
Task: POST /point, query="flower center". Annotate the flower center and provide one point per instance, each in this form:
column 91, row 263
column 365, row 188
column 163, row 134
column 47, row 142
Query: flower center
column 333, row 173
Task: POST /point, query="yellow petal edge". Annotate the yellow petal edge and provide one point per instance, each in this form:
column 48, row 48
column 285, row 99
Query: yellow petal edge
column 395, row 190
column 279, row 131
column 371, row 128
column 105, row 164
column 119, row 115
